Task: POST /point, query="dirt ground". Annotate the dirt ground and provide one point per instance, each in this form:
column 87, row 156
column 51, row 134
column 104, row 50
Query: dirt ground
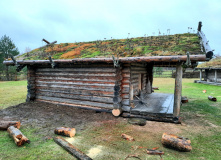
column 46, row 117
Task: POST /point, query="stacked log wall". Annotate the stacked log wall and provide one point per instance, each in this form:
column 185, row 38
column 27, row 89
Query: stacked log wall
column 125, row 85
column 136, row 71
column 81, row 85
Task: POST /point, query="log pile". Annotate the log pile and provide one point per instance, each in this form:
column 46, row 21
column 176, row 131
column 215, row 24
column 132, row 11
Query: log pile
column 17, row 135
column 176, row 142
column 5, row 124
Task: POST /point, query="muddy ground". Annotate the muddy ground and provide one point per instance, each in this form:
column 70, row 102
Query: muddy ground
column 46, row 117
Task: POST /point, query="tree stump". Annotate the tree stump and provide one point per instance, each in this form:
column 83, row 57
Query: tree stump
column 69, row 132
column 5, row 124
column 176, row 142
column 18, row 137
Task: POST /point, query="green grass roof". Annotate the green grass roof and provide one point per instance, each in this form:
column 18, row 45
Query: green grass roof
column 165, row 45
column 213, row 63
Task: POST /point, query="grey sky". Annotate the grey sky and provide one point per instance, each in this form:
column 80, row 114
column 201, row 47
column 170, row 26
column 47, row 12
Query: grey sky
column 27, row 22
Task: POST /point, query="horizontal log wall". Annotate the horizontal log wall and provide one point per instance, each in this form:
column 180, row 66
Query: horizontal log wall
column 125, row 85
column 136, row 71
column 86, row 85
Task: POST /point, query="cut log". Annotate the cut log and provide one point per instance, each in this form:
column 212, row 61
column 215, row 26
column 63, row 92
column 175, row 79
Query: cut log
column 71, row 149
column 18, row 137
column 116, row 112
column 127, row 137
column 176, row 142
column 212, row 98
column 154, row 152
column 69, row 132
column 137, row 121
column 5, row 124
column 184, row 100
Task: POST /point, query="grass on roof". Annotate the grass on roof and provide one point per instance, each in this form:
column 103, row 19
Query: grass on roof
column 213, row 63
column 164, row 45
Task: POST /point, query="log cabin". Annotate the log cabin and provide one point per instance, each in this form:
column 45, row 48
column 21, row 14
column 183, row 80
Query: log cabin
column 120, row 82
column 212, row 72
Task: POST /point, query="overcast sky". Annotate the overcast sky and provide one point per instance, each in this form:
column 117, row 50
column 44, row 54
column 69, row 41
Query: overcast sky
column 26, row 22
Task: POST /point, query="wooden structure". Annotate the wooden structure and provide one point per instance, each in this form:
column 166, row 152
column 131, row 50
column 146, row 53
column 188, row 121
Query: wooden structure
column 122, row 85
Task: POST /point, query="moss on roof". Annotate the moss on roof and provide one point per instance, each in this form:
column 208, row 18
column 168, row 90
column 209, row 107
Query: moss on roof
column 213, row 63
column 167, row 45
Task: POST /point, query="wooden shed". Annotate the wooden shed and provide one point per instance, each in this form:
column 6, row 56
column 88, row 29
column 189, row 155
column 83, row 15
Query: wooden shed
column 121, row 83
column 212, row 72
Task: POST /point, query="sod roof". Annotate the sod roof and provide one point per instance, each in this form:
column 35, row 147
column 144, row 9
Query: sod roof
column 213, row 63
column 167, row 45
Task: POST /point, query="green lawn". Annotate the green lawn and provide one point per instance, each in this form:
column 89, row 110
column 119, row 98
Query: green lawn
column 12, row 93
column 201, row 124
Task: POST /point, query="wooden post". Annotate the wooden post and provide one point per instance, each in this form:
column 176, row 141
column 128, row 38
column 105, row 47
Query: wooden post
column 149, row 78
column 117, row 93
column 177, row 90
column 215, row 75
column 200, row 74
column 31, row 83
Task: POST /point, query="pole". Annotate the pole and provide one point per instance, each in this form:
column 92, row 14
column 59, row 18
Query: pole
column 178, row 90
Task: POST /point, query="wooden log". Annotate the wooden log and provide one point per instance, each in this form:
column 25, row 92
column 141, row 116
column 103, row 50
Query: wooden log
column 155, row 88
column 177, row 90
column 18, row 137
column 71, row 149
column 65, row 131
column 193, row 58
column 117, row 112
column 137, row 121
column 5, row 124
column 212, row 98
column 154, row 152
column 127, row 137
column 184, row 99
column 176, row 142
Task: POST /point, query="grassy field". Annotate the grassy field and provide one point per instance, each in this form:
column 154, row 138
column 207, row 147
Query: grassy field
column 201, row 124
column 12, row 93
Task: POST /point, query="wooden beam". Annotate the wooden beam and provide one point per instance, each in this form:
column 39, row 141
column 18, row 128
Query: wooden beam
column 193, row 58
column 178, row 90
column 200, row 74
column 71, row 149
column 215, row 78
column 149, row 80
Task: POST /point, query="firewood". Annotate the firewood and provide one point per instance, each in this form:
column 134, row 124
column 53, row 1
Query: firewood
column 69, row 132
column 17, row 135
column 5, row 124
column 137, row 121
column 71, row 149
column 127, row 137
column 212, row 98
column 176, row 142
column 116, row 112
column 154, row 152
